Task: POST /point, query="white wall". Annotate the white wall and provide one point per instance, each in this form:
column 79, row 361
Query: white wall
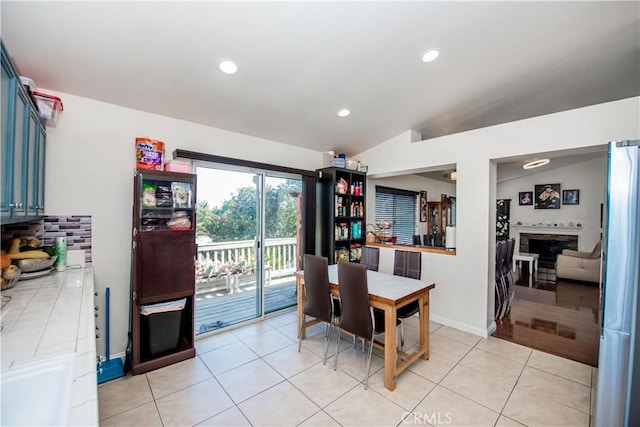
column 89, row 171
column 90, row 163
column 434, row 189
column 589, row 177
column 463, row 296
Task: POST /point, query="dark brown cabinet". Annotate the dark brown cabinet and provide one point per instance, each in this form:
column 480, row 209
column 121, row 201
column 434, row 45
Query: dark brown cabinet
column 341, row 214
column 163, row 262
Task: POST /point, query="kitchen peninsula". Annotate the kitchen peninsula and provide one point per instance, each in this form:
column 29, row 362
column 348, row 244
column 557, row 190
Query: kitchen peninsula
column 49, row 349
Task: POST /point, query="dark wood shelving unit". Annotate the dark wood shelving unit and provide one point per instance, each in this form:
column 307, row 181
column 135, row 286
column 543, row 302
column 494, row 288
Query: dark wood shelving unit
column 163, row 262
column 341, row 213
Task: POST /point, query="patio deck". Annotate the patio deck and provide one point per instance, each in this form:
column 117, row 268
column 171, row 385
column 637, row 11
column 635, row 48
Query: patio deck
column 215, row 310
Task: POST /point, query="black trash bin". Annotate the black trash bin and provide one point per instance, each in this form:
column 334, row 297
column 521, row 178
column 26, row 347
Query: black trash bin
column 162, row 323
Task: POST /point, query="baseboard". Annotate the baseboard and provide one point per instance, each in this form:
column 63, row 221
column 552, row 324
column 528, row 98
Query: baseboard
column 484, row 333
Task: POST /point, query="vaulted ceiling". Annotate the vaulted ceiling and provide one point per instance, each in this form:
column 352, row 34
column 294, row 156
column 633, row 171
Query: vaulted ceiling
column 300, row 62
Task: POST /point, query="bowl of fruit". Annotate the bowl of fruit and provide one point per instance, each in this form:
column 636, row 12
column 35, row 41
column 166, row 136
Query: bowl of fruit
column 29, row 255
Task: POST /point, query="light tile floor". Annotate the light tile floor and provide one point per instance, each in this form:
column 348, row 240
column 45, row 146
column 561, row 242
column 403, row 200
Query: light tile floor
column 254, row 376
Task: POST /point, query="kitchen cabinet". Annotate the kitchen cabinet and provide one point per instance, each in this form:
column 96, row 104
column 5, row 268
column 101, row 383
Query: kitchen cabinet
column 341, row 214
column 23, row 150
column 163, row 261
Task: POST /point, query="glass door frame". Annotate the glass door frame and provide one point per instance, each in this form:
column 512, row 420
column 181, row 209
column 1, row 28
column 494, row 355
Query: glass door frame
column 260, row 245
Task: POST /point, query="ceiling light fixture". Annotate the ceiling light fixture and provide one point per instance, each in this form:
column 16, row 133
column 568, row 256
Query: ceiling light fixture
column 536, row 164
column 454, row 176
column 430, row 55
column 227, row 66
column 344, row 112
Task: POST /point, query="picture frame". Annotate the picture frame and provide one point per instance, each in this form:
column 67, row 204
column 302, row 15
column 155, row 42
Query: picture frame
column 547, row 196
column 423, row 206
column 525, row 198
column 570, row 197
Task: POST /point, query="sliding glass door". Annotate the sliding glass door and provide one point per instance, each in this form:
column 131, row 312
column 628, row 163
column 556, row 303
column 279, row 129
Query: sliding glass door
column 282, row 243
column 247, row 230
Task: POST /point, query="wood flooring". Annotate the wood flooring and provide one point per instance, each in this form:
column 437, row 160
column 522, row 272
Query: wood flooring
column 555, row 316
column 217, row 310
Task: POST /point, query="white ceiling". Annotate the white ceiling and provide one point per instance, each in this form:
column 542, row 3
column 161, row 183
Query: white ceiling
column 300, row 62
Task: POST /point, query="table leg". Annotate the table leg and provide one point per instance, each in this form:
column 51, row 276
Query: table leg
column 390, row 348
column 300, row 292
column 424, row 325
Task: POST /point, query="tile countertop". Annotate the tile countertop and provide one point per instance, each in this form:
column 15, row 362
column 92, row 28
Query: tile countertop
column 51, row 317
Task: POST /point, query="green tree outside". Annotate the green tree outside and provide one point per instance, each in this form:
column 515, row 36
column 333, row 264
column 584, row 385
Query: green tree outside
column 235, row 219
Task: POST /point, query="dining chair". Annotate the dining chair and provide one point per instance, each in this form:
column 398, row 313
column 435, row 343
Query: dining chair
column 507, row 269
column 407, row 264
column 319, row 302
column 501, row 289
column 370, row 257
column 357, row 316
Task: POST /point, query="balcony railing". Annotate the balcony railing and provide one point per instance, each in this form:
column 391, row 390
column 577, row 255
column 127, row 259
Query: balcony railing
column 236, row 259
column 226, row 281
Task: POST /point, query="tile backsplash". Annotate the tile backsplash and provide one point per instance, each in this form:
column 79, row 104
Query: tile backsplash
column 77, row 229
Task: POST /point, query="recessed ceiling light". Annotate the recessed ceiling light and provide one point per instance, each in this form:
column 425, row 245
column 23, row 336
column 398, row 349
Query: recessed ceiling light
column 536, row 164
column 344, row 112
column 227, row 66
column 430, row 55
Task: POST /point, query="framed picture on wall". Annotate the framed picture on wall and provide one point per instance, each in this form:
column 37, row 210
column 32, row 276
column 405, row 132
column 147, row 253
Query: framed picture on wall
column 547, row 196
column 525, row 198
column 570, row 197
column 423, row 206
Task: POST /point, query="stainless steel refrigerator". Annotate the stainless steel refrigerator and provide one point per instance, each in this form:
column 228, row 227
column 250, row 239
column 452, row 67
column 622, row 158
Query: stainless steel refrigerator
column 618, row 395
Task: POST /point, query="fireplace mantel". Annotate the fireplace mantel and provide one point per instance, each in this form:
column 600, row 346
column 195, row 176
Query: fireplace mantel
column 546, row 229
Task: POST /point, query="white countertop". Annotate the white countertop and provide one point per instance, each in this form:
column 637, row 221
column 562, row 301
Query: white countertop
column 51, row 318
column 386, row 286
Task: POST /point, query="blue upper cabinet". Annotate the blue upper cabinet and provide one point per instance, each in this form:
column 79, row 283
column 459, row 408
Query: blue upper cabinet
column 23, row 150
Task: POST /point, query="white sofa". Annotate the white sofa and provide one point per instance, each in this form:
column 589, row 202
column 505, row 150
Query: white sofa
column 576, row 265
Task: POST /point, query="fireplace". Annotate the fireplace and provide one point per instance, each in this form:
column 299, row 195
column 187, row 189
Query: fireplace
column 547, row 246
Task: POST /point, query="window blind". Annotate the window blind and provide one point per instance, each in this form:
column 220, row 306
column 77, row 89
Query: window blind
column 398, row 206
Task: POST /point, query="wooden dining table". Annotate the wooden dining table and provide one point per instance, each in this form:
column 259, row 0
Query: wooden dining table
column 388, row 293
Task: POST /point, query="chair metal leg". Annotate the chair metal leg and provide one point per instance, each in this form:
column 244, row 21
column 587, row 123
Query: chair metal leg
column 366, row 380
column 335, row 362
column 304, row 320
column 498, row 293
column 505, row 296
column 328, row 338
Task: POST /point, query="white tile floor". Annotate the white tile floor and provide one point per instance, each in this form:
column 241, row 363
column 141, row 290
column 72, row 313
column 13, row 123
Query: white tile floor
column 254, row 376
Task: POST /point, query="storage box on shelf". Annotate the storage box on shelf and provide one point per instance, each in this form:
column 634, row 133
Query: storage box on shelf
column 341, row 195
column 176, row 166
column 49, row 107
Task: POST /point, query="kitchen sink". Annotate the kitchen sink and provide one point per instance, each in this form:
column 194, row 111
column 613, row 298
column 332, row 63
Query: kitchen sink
column 37, row 394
